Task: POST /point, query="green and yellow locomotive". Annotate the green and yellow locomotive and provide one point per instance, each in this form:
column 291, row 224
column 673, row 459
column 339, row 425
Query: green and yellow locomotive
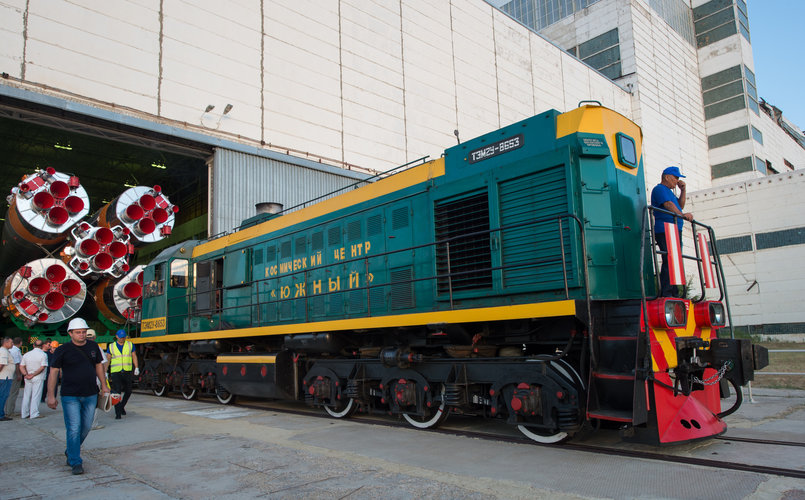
column 512, row 278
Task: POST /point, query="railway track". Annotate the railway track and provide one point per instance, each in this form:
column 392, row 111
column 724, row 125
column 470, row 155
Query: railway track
column 498, row 433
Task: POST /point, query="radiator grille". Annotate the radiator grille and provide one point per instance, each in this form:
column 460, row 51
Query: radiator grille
column 470, row 255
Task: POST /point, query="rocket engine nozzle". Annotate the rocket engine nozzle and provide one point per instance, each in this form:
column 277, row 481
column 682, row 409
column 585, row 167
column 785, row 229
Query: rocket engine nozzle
column 145, row 212
column 99, row 250
column 44, row 205
column 43, row 291
column 121, row 301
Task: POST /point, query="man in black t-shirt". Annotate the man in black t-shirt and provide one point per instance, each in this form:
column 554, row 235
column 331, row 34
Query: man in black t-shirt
column 78, row 362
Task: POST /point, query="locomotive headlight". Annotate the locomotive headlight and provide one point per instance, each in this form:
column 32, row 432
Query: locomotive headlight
column 710, row 314
column 668, row 313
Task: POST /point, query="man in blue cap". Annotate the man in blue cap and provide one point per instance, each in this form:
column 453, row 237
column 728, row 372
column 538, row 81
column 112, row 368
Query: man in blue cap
column 663, row 196
column 122, row 360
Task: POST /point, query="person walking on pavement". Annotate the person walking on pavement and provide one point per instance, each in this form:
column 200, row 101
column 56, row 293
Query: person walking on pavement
column 78, row 362
column 11, row 402
column 33, row 367
column 7, row 370
column 122, row 361
column 53, row 345
column 91, row 336
column 47, row 351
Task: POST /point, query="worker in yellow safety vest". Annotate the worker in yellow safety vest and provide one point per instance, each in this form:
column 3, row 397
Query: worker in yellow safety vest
column 122, row 359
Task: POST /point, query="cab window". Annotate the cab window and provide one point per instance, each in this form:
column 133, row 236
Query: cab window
column 179, row 273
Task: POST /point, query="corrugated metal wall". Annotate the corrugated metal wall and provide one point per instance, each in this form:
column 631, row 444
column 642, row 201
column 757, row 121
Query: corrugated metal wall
column 238, row 181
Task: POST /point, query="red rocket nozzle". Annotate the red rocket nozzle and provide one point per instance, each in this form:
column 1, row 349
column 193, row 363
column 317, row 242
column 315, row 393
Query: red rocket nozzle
column 104, row 235
column 160, row 215
column 59, row 189
column 70, row 287
column 88, row 248
column 102, row 261
column 50, row 170
column 43, row 200
column 133, row 213
column 140, row 278
column 57, row 216
column 83, row 266
column 118, row 249
column 147, row 202
column 157, row 188
column 39, row 286
column 43, row 317
column 54, row 301
column 132, row 290
column 73, row 204
column 19, row 294
column 55, row 273
column 146, row 226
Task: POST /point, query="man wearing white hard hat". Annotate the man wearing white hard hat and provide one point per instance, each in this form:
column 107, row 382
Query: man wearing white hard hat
column 78, row 362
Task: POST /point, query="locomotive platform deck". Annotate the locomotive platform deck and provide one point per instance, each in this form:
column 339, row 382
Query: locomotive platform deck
column 171, row 448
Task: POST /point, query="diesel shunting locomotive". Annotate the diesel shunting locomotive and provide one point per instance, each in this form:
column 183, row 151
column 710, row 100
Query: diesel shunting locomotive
column 513, row 278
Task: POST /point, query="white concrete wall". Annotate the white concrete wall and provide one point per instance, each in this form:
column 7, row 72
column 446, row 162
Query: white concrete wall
column 765, row 286
column 662, row 69
column 777, row 144
column 668, row 99
column 375, row 84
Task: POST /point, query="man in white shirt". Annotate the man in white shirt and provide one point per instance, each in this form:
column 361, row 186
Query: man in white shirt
column 33, row 366
column 11, row 402
column 7, row 370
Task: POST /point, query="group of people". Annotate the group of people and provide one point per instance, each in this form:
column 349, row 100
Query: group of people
column 80, row 367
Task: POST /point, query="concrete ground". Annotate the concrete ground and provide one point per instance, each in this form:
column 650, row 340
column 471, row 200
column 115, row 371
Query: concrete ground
column 168, row 448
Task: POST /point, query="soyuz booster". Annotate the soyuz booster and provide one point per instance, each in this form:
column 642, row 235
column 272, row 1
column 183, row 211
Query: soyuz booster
column 43, row 291
column 77, row 257
column 145, row 213
column 42, row 208
column 121, row 301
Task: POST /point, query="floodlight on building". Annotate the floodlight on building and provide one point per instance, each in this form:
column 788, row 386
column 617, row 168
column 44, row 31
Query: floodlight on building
column 228, row 108
column 209, row 108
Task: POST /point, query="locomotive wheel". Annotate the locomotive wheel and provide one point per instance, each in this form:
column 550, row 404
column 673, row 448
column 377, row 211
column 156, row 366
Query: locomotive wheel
column 189, row 392
column 342, row 410
column 432, row 417
column 160, row 390
column 541, row 436
column 224, row 397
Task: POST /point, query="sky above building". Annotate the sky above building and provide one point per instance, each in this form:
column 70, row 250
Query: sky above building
column 775, row 28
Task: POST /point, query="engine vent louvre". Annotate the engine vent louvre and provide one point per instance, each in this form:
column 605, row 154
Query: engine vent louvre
column 470, row 256
column 402, row 289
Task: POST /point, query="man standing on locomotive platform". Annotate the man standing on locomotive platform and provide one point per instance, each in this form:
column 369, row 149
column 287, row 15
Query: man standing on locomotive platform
column 662, row 196
column 123, row 360
column 78, row 362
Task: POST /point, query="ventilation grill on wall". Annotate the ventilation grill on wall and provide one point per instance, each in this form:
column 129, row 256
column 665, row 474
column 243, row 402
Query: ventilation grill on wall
column 470, row 256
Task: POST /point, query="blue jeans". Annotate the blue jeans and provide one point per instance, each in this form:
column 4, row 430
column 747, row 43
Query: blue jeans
column 78, row 412
column 5, row 388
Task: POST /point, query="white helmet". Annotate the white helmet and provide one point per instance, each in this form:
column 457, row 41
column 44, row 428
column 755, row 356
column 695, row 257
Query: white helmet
column 77, row 324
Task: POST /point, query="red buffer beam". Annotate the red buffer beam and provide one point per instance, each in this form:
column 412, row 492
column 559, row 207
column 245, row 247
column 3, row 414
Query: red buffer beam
column 146, row 213
column 43, row 291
